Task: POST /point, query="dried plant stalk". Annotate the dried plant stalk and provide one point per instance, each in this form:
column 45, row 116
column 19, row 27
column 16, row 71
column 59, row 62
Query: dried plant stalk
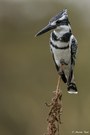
column 54, row 116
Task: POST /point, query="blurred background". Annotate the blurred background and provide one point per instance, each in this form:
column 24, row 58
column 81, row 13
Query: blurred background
column 27, row 72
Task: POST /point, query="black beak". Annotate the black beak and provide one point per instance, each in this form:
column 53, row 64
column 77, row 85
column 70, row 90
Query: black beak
column 45, row 29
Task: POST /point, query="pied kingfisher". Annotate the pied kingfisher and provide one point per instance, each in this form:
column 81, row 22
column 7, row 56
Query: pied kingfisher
column 63, row 46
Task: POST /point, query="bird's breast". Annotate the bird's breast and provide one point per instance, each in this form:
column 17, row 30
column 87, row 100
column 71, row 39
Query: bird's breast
column 60, row 54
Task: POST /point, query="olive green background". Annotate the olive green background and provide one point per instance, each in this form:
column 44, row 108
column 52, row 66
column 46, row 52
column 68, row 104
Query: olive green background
column 27, row 72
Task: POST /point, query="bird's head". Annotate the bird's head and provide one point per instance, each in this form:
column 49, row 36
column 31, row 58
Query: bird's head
column 56, row 22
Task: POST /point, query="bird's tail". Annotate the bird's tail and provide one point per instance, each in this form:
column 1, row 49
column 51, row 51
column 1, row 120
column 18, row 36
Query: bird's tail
column 72, row 88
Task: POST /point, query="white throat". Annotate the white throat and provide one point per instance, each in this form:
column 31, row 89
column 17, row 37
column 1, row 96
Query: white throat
column 60, row 30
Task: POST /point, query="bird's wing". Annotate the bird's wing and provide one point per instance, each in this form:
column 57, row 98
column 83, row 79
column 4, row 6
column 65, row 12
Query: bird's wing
column 73, row 45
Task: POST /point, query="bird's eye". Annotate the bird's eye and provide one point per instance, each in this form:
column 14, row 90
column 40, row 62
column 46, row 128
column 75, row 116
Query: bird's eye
column 58, row 22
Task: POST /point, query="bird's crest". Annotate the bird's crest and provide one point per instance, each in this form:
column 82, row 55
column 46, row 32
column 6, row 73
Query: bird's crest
column 61, row 15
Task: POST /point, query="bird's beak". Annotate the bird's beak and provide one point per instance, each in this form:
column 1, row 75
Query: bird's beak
column 45, row 29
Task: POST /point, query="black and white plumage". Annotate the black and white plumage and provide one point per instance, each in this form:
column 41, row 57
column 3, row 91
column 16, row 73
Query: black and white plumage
column 63, row 46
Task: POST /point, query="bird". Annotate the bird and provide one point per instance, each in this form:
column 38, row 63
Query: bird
column 63, row 47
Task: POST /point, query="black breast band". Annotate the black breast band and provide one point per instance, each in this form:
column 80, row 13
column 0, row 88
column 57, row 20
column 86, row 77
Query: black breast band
column 65, row 37
column 65, row 47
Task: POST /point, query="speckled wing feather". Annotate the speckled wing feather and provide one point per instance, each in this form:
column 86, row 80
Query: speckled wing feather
column 73, row 50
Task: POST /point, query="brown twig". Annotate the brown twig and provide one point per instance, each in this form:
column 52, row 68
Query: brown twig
column 54, row 116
